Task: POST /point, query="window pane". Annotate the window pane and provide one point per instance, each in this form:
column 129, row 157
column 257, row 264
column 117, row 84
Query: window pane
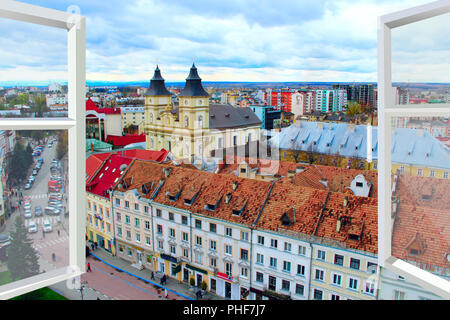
column 29, row 71
column 421, row 206
column 34, row 203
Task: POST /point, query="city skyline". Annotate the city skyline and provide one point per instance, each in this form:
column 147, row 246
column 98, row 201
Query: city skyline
column 237, row 41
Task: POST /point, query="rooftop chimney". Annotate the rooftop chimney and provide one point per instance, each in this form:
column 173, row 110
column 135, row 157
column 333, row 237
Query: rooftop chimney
column 345, row 201
column 338, row 224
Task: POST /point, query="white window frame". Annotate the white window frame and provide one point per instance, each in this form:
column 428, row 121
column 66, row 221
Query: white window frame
column 387, row 110
column 75, row 25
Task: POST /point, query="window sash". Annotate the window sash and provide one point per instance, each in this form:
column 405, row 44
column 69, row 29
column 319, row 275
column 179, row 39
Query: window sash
column 74, row 124
column 386, row 111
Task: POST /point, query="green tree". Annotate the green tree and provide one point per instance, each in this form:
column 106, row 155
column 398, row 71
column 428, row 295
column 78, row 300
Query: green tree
column 19, row 162
column 22, row 257
column 353, row 109
column 63, row 143
column 39, row 105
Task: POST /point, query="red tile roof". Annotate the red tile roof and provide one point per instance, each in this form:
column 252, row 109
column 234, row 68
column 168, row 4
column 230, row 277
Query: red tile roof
column 107, row 177
column 316, row 211
column 425, row 229
column 120, row 141
column 422, row 222
column 152, row 155
column 94, row 162
column 337, row 179
column 92, row 106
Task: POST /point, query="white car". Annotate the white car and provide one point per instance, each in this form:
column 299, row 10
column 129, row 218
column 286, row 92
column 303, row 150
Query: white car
column 28, row 214
column 32, row 227
column 47, row 226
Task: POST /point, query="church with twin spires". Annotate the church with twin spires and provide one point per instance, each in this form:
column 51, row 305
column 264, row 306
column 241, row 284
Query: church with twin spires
column 193, row 126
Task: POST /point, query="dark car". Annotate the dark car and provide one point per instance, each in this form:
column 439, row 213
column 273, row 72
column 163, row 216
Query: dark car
column 38, row 211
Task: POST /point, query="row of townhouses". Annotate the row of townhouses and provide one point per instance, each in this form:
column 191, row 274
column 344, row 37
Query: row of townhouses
column 243, row 238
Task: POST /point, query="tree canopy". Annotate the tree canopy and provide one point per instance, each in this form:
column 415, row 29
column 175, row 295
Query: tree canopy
column 22, row 257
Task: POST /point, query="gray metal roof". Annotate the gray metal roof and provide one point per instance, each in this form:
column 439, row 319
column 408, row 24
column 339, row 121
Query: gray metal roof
column 222, row 116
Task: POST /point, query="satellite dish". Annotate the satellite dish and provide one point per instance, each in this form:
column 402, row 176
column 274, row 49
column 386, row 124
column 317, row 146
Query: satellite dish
column 122, row 167
column 448, row 257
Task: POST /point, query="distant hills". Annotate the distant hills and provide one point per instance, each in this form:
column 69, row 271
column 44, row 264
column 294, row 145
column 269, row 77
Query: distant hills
column 226, row 84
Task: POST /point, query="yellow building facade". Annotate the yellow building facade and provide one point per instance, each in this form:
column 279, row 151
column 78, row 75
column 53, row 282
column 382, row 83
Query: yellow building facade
column 99, row 224
column 194, row 127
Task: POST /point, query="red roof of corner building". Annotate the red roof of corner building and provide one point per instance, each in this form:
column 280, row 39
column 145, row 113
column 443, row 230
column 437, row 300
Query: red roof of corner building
column 91, row 105
column 108, row 175
column 153, row 155
column 120, row 141
column 94, row 162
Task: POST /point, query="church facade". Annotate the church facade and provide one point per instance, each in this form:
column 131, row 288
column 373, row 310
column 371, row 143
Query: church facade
column 193, row 127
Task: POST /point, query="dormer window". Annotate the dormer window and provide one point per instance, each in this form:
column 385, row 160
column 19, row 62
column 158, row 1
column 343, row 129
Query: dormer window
column 359, row 184
column 414, row 252
column 210, row 207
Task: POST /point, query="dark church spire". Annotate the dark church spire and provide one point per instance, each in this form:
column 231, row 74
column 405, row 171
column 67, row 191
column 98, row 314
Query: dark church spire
column 157, row 86
column 193, row 86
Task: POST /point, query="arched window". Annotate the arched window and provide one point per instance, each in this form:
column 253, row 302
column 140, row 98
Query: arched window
column 151, row 117
column 200, row 121
column 151, row 143
column 186, row 121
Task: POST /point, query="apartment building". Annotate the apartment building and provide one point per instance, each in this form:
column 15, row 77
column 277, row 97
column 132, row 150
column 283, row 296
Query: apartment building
column 245, row 238
column 202, row 236
column 344, row 262
column 133, row 116
column 99, row 226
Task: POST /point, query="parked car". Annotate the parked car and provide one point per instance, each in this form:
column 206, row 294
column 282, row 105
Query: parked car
column 27, row 186
column 47, row 226
column 35, row 171
column 27, row 206
column 51, row 211
column 38, row 211
column 31, row 178
column 32, row 227
column 28, row 214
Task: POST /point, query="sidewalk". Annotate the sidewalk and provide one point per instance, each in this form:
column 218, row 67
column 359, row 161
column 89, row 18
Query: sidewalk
column 172, row 284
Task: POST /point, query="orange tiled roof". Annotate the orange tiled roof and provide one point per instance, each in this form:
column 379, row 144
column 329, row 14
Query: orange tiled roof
column 424, row 191
column 240, row 200
column 337, row 179
column 424, row 228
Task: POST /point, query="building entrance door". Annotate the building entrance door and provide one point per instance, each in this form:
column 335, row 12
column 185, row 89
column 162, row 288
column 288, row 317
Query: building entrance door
column 199, row 279
column 227, row 290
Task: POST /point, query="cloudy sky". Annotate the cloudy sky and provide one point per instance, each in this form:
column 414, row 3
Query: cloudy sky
column 233, row 40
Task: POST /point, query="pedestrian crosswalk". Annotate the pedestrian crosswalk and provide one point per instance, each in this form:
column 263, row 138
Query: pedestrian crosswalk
column 38, row 196
column 51, row 242
column 40, row 220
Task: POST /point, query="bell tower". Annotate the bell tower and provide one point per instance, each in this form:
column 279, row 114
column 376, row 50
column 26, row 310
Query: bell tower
column 194, row 103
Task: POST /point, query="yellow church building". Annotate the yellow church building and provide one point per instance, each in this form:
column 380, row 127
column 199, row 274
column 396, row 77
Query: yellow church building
column 192, row 127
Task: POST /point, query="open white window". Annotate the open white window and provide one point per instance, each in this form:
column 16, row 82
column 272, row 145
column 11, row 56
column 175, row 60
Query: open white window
column 413, row 227
column 74, row 126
